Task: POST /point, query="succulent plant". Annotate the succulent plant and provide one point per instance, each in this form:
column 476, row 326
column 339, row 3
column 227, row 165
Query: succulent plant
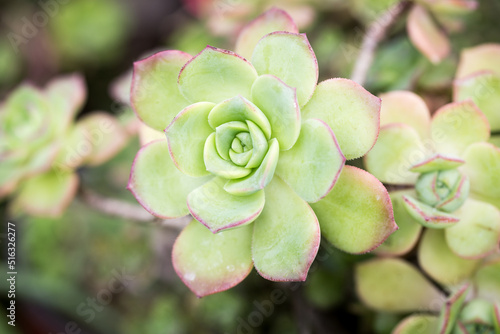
column 249, row 146
column 430, row 21
column 41, row 145
column 395, row 286
column 444, row 158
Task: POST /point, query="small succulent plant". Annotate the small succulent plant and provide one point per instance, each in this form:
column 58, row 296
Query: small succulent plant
column 42, row 145
column 430, row 21
column 395, row 286
column 445, row 158
column 253, row 151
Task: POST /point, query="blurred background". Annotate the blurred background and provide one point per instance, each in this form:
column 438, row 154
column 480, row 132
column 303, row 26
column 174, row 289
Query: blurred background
column 87, row 272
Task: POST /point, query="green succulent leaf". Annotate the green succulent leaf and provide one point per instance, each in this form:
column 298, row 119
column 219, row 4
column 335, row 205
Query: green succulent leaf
column 477, row 234
column 428, row 216
column 426, row 35
column 393, row 285
column 209, row 263
column 154, row 94
column 356, row 216
column 437, row 162
column 486, row 280
column 158, row 185
column 289, row 57
column 272, row 20
column 408, row 108
column 477, row 312
column 218, row 210
column 66, row 95
column 451, row 310
column 457, row 125
column 350, row 111
column 239, row 109
column 215, row 75
column 224, row 138
column 440, row 263
column 405, row 238
column 312, row 166
column 47, row 194
column 286, row 235
column 397, row 149
column 483, row 57
column 484, row 90
column 278, row 102
column 422, row 324
column 148, row 134
column 260, row 177
column 482, row 167
column 186, row 137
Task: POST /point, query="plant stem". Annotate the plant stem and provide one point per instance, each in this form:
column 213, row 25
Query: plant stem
column 126, row 210
column 374, row 35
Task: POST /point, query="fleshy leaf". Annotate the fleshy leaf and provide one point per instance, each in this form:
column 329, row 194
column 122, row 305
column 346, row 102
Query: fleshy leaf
column 397, row 149
column 215, row 75
column 421, row 324
column 350, row 111
column 451, row 310
column 218, row 210
column 437, row 162
column 440, row 263
column 186, row 138
column 286, row 235
column 289, row 57
column 356, row 216
column 259, row 143
column 393, row 285
column 105, row 134
column 224, row 136
column 155, row 96
column 312, row 166
column 482, row 167
column 260, row 177
column 408, row 108
column 218, row 166
column 426, row 35
column 158, row 185
column 486, row 280
column 67, row 95
column 239, row 109
column 457, row 125
column 484, row 89
column 485, row 57
column 405, row 238
column 272, row 20
column 477, row 234
column 428, row 216
column 209, row 263
column 278, row 102
column 47, row 194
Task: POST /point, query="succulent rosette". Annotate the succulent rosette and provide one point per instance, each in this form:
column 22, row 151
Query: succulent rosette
column 392, row 285
column 430, row 22
column 453, row 169
column 253, row 152
column 42, row 145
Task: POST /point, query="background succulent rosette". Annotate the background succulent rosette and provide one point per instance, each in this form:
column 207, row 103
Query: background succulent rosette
column 455, row 173
column 42, row 145
column 255, row 152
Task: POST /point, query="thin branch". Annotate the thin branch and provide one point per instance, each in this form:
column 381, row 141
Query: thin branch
column 126, row 210
column 375, row 34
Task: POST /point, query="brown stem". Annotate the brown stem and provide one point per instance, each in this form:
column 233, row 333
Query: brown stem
column 126, row 210
column 375, row 34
